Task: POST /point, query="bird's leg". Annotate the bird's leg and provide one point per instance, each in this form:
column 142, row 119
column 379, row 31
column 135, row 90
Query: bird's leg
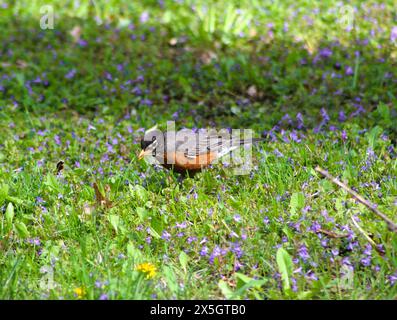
column 170, row 180
column 180, row 179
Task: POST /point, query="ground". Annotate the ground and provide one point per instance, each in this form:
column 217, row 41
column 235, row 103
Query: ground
column 317, row 80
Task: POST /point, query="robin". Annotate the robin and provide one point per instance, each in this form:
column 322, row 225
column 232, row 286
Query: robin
column 188, row 151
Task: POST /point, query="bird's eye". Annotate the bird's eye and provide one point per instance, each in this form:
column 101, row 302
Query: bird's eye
column 145, row 144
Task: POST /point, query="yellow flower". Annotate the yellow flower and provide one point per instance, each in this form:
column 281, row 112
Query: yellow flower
column 147, row 268
column 80, row 292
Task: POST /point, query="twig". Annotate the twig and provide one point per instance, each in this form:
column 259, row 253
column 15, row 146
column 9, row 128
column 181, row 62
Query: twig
column 332, row 234
column 390, row 224
column 372, row 242
column 363, row 232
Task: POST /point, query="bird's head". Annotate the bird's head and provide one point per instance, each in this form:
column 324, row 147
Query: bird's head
column 147, row 147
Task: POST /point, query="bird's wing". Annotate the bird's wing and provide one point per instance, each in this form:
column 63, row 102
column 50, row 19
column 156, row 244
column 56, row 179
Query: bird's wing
column 220, row 143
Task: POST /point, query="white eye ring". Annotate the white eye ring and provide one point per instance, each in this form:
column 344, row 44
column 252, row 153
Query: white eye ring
column 154, row 145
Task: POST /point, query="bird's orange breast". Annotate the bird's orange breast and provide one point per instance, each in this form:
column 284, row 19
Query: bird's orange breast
column 181, row 162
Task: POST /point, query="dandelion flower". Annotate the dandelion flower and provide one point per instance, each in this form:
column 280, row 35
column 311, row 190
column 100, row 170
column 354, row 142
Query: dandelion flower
column 79, row 292
column 148, row 269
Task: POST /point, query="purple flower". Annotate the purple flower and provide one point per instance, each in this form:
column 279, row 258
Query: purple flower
column 237, row 265
column 392, row 278
column 140, row 78
column 325, row 53
column 266, row 220
column 352, row 245
column 182, row 225
column 204, row 251
column 70, row 74
column 294, row 136
column 303, row 253
column 191, row 239
column 39, row 200
column 348, row 71
column 108, row 76
column 104, row 296
column 393, row 34
column 82, row 43
column 35, row 241
column 215, row 253
column 278, row 153
column 166, row 236
column 344, row 135
column 324, row 115
column 57, row 140
column 144, row 17
column 306, row 209
column 294, row 286
column 299, row 118
column 366, row 261
column 310, row 275
column 146, row 102
column 237, row 218
column 315, row 227
column 175, row 115
column 368, row 250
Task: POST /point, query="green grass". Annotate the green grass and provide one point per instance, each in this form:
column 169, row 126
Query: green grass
column 217, row 235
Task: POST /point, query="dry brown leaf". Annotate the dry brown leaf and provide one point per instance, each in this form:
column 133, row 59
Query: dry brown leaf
column 252, row 92
column 22, row 64
column 100, row 198
column 332, row 234
column 173, row 41
column 123, row 150
column 207, row 57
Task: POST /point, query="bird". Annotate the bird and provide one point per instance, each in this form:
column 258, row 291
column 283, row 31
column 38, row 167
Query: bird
column 189, row 151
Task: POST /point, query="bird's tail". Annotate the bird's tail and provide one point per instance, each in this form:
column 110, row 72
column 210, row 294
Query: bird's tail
column 238, row 144
column 251, row 141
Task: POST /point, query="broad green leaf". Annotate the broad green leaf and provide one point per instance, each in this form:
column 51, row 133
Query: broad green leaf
column 304, row 295
column 373, row 136
column 9, row 213
column 183, row 260
column 16, row 200
column 244, row 283
column 170, row 278
column 142, row 213
column 154, row 233
column 52, row 183
column 133, row 252
column 21, row 229
column 384, row 111
column 284, row 263
column 114, row 221
column 157, row 225
column 139, row 192
column 225, row 289
column 297, row 202
column 3, row 193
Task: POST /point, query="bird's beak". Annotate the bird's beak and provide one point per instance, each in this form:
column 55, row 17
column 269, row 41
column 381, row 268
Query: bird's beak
column 141, row 155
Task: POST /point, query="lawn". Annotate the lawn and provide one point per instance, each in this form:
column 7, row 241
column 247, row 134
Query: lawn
column 317, row 80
